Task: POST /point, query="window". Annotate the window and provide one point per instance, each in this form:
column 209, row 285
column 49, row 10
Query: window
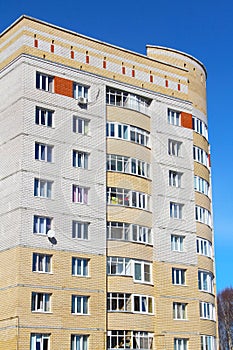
column 127, row 100
column 208, row 342
column 41, row 225
column 200, row 127
column 179, row 311
column 207, row 311
column 201, row 185
column 128, row 165
column 80, row 194
column 204, row 247
column 129, row 340
column 142, row 272
column 128, row 232
column 44, row 117
column 177, row 243
column 178, row 276
column 141, row 234
column 173, row 117
column 41, row 263
column 118, row 230
column 180, row 344
column 205, row 281
column 79, row 305
column 80, row 125
column 80, row 267
column 80, row 159
column 202, row 215
column 41, row 302
column 79, row 342
column 39, row 341
column 120, row 302
column 125, row 197
column 200, row 156
column 176, row 210
column 143, row 304
column 128, row 133
column 174, row 178
column 44, row 82
column 80, row 229
column 119, row 266
column 42, row 188
column 80, row 91
column 174, row 148
column 43, row 152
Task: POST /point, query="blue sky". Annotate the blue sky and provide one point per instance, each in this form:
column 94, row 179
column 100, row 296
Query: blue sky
column 203, row 29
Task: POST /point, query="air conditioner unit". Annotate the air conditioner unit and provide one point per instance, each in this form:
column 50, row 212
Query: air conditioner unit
column 82, row 100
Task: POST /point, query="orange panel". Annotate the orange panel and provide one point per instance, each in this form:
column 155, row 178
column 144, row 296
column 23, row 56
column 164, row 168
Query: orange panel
column 186, row 120
column 63, row 86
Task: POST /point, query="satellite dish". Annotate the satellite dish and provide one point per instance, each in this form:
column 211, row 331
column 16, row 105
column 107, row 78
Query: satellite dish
column 51, row 233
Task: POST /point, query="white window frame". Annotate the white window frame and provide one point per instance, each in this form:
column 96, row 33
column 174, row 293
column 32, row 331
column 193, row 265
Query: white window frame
column 129, row 232
column 202, row 215
column 80, row 194
column 143, row 304
column 176, row 210
column 180, row 344
column 200, row 156
column 80, row 305
column 207, row 311
column 128, row 165
column 80, row 90
column 42, row 339
column 119, row 266
column 204, row 247
column 178, row 276
column 145, row 273
column 41, row 224
column 200, row 127
column 128, row 133
column 43, row 152
column 179, row 311
column 43, row 188
column 80, row 159
column 41, row 302
column 119, row 302
column 79, row 341
column 175, row 178
column 129, row 198
column 208, row 342
column 41, row 263
column 205, row 281
column 127, row 339
column 80, row 125
column 174, row 148
column 44, row 82
column 127, row 100
column 177, row 243
column 80, row 267
column 173, row 117
column 80, row 229
column 44, row 117
column 201, row 185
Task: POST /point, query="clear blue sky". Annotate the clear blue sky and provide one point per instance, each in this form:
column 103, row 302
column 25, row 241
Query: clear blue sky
column 202, row 28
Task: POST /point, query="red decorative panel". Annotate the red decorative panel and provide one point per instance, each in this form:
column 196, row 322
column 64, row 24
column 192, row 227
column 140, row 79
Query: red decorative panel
column 186, row 120
column 63, row 86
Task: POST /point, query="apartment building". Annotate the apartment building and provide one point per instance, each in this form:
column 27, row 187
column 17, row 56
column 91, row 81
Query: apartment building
column 105, row 180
